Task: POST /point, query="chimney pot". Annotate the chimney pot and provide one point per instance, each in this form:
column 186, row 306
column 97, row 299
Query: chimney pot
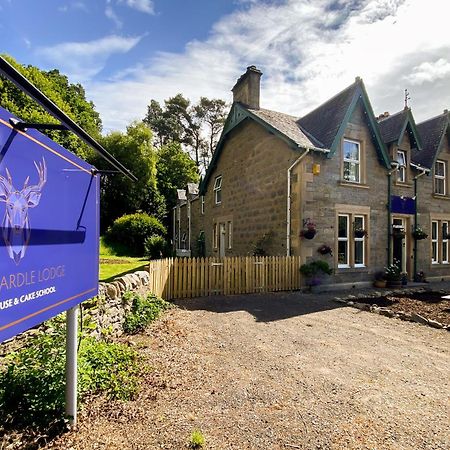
column 445, row 111
column 247, row 88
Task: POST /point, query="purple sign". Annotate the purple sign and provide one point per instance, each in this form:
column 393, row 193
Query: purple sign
column 403, row 205
column 49, row 229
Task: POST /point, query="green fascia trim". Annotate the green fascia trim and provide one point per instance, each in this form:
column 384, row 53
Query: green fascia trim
column 230, row 125
column 360, row 94
column 410, row 121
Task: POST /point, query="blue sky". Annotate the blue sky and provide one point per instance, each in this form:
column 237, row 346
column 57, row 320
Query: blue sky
column 126, row 52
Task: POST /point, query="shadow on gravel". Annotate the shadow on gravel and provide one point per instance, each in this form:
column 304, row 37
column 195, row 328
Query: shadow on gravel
column 264, row 307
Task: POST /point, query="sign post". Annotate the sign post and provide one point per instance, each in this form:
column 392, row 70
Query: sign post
column 71, row 364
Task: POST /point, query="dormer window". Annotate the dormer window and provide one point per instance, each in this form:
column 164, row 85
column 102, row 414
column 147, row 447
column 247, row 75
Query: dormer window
column 440, row 174
column 401, row 159
column 218, row 190
column 352, row 161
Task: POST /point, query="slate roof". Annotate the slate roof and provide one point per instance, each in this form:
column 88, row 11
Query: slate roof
column 431, row 132
column 392, row 126
column 285, row 124
column 324, row 122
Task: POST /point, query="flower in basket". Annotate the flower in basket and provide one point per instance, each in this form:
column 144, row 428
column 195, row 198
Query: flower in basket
column 309, row 229
column 360, row 232
column 419, row 233
column 393, row 272
column 325, row 250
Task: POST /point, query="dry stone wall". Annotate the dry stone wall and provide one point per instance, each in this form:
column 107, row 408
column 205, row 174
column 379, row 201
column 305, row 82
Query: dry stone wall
column 104, row 315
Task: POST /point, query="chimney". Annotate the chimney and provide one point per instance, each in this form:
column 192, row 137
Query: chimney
column 246, row 89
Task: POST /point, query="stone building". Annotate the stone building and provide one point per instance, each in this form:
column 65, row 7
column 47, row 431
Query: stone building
column 364, row 183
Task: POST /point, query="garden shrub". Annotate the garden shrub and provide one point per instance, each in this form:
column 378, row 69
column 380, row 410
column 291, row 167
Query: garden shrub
column 156, row 247
column 143, row 311
column 32, row 379
column 131, row 230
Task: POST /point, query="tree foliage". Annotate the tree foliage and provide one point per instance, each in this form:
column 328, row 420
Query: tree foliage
column 174, row 169
column 197, row 127
column 70, row 98
column 119, row 194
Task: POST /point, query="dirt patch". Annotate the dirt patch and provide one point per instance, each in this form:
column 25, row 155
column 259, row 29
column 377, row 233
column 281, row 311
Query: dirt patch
column 281, row 371
column 428, row 304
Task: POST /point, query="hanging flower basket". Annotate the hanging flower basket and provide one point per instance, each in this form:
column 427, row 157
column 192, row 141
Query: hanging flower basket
column 360, row 232
column 309, row 230
column 325, row 250
column 308, row 233
column 419, row 234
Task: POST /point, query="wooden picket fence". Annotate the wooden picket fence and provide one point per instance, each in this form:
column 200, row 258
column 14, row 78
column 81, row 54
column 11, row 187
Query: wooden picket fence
column 173, row 278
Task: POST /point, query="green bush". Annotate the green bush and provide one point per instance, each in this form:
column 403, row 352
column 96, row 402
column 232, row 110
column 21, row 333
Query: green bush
column 143, row 311
column 156, row 247
column 316, row 267
column 197, row 439
column 32, row 380
column 131, row 230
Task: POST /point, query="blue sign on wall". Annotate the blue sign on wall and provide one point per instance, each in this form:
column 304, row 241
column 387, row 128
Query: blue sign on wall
column 403, row 205
column 49, row 229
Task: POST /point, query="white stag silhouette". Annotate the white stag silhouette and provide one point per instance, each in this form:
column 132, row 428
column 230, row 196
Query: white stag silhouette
column 16, row 224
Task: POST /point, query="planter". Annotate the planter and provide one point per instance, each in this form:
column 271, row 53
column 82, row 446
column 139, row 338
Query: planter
column 380, row 283
column 420, row 236
column 394, row 283
column 308, row 234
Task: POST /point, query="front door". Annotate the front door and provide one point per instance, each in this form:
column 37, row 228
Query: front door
column 399, row 243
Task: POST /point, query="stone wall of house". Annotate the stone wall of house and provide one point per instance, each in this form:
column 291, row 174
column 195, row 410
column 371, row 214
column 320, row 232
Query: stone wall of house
column 253, row 165
column 324, row 195
column 433, row 207
column 104, row 313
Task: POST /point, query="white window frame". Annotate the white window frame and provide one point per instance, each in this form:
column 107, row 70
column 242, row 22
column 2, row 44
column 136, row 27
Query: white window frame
column 363, row 240
column 440, row 177
column 346, row 240
column 401, row 177
column 434, row 242
column 203, row 204
column 230, row 234
column 444, row 254
column 218, row 190
column 215, row 235
column 351, row 161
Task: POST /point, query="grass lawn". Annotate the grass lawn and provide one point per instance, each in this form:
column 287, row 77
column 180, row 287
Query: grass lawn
column 113, row 265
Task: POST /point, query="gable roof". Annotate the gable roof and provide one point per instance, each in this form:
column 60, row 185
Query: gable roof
column 432, row 133
column 327, row 123
column 393, row 128
column 281, row 125
column 321, row 129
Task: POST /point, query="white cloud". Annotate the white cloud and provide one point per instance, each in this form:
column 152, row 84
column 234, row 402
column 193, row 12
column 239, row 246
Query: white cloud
column 83, row 60
column 145, row 6
column 429, row 72
column 308, row 52
column 111, row 14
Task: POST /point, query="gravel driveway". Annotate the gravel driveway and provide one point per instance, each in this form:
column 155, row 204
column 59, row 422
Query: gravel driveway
column 281, row 371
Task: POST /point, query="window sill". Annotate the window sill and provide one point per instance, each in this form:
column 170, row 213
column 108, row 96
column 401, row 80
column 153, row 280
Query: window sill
column 404, row 184
column 364, row 269
column 441, row 196
column 355, row 185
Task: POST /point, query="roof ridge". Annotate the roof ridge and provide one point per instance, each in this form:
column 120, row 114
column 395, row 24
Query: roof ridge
column 442, row 115
column 272, row 110
column 356, row 82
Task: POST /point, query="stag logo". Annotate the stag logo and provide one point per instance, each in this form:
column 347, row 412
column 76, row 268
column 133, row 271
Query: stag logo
column 16, row 224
